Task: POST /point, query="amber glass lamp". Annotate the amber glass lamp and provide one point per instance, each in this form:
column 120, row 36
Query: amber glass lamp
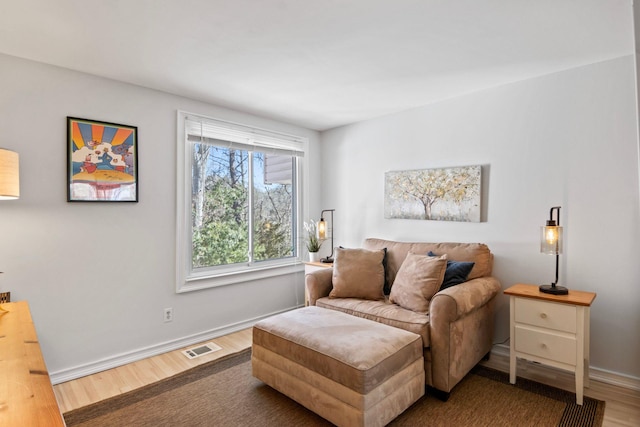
column 322, row 233
column 551, row 244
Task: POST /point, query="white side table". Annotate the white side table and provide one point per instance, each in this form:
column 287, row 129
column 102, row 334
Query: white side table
column 310, row 267
column 552, row 330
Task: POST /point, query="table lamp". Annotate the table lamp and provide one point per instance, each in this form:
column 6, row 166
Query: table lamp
column 551, row 244
column 322, row 233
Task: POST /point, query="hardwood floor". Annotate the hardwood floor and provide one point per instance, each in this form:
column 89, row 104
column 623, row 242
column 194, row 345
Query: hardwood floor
column 622, row 409
column 94, row 388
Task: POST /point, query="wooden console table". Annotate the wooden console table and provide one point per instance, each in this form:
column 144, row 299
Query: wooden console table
column 26, row 394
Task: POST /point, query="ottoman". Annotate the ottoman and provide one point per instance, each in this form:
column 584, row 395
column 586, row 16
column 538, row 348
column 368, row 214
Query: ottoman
column 350, row 371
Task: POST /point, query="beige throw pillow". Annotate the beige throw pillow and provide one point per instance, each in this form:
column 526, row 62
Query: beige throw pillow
column 358, row 273
column 417, row 281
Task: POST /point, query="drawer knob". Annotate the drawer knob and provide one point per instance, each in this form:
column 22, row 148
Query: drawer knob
column 543, row 315
column 543, row 345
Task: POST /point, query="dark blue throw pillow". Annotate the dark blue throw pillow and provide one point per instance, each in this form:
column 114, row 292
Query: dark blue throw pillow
column 456, row 273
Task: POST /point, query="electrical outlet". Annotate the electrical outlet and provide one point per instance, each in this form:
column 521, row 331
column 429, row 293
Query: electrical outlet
column 168, row 314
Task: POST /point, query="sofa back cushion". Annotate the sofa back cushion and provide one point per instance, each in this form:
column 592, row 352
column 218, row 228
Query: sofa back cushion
column 358, row 273
column 478, row 253
column 418, row 279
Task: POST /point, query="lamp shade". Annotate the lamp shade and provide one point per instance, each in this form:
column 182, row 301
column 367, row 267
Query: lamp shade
column 9, row 175
column 551, row 239
column 322, row 229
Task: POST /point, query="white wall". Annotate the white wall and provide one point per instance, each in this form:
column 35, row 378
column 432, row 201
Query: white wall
column 97, row 276
column 565, row 139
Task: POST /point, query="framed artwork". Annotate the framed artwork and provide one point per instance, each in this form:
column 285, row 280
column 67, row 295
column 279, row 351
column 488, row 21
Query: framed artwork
column 102, row 161
column 446, row 194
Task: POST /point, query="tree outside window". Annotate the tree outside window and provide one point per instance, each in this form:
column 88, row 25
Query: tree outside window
column 223, row 213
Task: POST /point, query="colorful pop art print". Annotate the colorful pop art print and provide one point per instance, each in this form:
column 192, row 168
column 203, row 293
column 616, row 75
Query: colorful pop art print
column 444, row 194
column 102, row 161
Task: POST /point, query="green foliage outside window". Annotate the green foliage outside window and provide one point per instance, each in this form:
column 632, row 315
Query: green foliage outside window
column 221, row 211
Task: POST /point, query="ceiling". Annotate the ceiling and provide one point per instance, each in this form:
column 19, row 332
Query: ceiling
column 317, row 63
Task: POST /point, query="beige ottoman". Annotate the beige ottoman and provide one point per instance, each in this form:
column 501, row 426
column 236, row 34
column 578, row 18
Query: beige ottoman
column 350, row 371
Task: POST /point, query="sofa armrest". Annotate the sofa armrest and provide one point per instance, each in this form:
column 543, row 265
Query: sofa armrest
column 457, row 301
column 461, row 329
column 318, row 284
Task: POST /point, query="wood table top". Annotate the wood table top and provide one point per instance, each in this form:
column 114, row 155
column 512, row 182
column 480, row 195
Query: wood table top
column 533, row 291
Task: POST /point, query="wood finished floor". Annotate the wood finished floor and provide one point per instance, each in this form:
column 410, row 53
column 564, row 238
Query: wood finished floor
column 622, row 409
column 103, row 385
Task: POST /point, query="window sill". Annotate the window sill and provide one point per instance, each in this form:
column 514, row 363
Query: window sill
column 216, row 279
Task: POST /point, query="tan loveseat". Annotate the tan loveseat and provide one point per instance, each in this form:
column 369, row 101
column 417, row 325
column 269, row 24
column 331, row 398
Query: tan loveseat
column 456, row 330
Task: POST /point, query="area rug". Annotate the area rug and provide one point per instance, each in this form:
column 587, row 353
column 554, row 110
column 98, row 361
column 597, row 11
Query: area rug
column 223, row 393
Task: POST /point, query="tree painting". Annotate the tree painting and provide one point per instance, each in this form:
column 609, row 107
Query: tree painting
column 446, row 194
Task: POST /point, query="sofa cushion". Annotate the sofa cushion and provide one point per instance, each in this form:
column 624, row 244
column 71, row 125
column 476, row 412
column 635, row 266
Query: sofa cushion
column 387, row 286
column 418, row 279
column 457, row 272
column 358, row 273
column 382, row 312
column 478, row 253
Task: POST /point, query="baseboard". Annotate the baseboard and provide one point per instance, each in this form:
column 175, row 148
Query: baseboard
column 595, row 374
column 154, row 350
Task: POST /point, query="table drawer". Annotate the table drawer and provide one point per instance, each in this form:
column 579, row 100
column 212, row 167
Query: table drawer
column 546, row 344
column 550, row 315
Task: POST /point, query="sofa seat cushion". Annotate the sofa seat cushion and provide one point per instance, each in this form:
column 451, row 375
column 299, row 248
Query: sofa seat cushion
column 383, row 312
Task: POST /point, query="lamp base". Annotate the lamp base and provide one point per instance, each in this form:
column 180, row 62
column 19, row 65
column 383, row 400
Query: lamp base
column 327, row 260
column 553, row 289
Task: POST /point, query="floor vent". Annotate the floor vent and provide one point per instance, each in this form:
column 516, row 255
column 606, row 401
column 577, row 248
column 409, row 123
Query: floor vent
column 201, row 350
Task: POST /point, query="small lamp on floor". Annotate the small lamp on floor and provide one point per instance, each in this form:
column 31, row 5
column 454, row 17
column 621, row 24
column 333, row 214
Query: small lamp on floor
column 551, row 244
column 322, row 233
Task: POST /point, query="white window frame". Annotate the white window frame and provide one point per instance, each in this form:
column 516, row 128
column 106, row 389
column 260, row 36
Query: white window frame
column 189, row 280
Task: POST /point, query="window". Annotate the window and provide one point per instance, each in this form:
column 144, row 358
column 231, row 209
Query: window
column 239, row 196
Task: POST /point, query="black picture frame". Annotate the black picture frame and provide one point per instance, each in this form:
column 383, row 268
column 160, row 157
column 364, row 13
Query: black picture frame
column 102, row 161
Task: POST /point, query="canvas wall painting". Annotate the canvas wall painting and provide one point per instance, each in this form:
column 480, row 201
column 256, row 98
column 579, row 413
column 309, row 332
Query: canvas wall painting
column 102, row 161
column 444, row 194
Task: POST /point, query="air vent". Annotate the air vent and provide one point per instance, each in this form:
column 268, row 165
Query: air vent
column 201, row 350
